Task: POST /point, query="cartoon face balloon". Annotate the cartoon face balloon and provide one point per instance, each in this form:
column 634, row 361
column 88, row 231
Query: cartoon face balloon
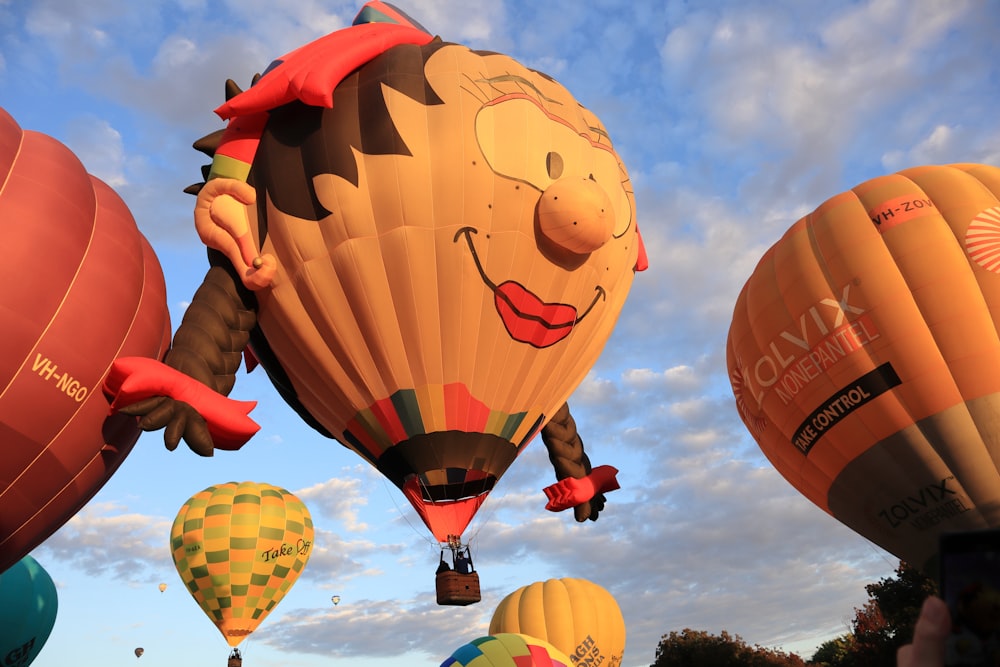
column 81, row 287
column 452, row 237
column 863, row 353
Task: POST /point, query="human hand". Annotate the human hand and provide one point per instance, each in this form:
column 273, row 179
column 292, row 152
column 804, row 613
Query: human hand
column 927, row 648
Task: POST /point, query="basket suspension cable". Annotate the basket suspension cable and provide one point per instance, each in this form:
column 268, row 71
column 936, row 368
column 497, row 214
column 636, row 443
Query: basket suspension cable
column 419, row 533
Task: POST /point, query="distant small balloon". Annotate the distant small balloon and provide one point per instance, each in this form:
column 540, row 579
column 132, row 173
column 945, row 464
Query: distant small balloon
column 335, row 599
column 163, row 587
column 139, row 652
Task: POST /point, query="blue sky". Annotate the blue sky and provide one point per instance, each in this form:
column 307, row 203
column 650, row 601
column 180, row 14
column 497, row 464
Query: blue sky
column 734, row 118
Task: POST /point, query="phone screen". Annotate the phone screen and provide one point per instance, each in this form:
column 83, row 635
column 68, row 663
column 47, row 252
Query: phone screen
column 970, row 584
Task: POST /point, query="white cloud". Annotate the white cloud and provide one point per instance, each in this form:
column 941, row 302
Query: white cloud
column 339, row 499
column 176, row 53
column 100, row 148
column 108, row 540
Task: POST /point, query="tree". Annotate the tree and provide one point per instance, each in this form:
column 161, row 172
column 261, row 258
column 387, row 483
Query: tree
column 696, row 648
column 834, row 652
column 886, row 621
column 883, row 624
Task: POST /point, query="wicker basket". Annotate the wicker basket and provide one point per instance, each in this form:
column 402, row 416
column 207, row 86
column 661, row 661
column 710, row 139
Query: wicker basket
column 455, row 588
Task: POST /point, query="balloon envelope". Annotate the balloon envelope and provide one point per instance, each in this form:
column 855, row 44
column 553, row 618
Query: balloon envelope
column 239, row 548
column 139, row 652
column 507, row 650
column 163, row 587
column 420, row 315
column 579, row 617
column 100, row 296
column 28, row 612
column 863, row 353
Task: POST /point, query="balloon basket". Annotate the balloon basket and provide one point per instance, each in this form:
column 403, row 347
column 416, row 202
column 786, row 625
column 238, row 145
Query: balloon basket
column 235, row 659
column 457, row 588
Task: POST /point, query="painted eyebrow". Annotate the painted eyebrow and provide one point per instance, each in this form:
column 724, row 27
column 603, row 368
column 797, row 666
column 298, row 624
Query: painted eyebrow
column 507, row 78
column 599, row 132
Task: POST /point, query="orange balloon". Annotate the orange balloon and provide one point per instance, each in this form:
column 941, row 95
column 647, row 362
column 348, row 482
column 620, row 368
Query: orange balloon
column 863, row 353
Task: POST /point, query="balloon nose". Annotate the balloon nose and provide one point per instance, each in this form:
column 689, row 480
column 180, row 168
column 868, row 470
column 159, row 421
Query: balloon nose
column 576, row 214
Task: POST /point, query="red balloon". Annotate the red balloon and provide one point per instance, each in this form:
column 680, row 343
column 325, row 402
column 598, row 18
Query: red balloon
column 79, row 287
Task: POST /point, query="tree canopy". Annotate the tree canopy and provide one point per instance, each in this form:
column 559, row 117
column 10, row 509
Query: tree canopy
column 697, row 648
column 880, row 626
column 883, row 624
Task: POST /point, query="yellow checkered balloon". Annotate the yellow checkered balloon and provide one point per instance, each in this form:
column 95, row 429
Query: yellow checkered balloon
column 238, row 549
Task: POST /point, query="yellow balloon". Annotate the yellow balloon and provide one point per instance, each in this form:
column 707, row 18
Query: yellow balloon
column 863, row 353
column 578, row 617
column 163, row 587
column 239, row 548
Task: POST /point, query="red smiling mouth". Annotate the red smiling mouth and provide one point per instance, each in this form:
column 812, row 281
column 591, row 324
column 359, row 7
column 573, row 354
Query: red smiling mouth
column 530, row 320
column 526, row 317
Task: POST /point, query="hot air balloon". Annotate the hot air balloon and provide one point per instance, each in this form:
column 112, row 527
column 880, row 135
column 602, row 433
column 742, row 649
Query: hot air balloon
column 138, row 652
column 862, row 353
column 507, row 650
column 335, row 600
column 578, row 617
column 100, row 296
column 426, row 246
column 239, row 548
column 163, row 587
column 28, row 612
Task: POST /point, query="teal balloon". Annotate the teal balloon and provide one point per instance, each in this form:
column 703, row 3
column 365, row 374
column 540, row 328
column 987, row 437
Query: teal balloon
column 27, row 612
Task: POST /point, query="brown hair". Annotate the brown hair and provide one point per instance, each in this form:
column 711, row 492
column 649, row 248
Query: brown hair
column 301, row 141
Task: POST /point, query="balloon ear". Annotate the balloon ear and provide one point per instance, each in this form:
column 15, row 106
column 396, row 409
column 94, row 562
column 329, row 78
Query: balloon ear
column 220, row 216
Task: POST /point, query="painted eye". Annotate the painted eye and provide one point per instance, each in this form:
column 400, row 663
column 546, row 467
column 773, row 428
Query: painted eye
column 525, row 142
column 554, row 165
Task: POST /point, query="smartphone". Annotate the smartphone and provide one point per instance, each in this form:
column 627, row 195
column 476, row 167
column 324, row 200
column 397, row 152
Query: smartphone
column 970, row 584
